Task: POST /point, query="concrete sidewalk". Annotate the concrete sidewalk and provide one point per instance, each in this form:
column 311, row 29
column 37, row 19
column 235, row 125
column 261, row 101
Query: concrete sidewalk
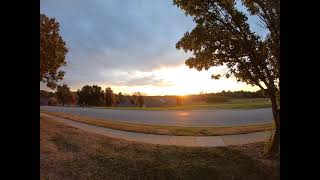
column 191, row 141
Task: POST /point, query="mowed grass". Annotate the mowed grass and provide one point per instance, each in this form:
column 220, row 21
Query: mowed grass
column 165, row 130
column 70, row 153
column 246, row 103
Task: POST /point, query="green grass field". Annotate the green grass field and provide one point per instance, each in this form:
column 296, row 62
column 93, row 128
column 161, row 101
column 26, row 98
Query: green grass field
column 246, row 103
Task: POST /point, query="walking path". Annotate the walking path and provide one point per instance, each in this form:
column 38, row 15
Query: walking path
column 191, row 141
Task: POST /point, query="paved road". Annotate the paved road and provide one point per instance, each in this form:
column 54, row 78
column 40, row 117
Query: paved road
column 195, row 118
column 191, row 141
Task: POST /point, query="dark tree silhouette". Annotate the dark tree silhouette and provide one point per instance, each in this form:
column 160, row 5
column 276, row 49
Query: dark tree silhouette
column 63, row 94
column 138, row 99
column 97, row 95
column 84, row 95
column 52, row 52
column 222, row 36
column 44, row 93
column 121, row 98
column 90, row 95
column 110, row 98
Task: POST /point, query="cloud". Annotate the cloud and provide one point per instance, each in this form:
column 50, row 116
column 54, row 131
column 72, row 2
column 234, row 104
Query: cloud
column 135, row 78
column 142, row 81
column 103, row 35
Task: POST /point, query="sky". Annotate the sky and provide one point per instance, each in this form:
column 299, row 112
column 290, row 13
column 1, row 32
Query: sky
column 129, row 45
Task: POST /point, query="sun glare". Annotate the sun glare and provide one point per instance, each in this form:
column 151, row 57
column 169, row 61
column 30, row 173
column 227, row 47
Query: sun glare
column 181, row 80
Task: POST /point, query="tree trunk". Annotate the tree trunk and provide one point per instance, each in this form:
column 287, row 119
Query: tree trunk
column 275, row 146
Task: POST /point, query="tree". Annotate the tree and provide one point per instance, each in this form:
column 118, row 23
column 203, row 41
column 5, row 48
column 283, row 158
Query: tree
column 84, row 95
column 73, row 98
column 52, row 52
column 97, row 95
column 80, row 100
column 222, row 36
column 138, row 98
column 120, row 97
column 90, row 95
column 44, row 93
column 132, row 100
column 110, row 97
column 140, row 101
column 63, row 94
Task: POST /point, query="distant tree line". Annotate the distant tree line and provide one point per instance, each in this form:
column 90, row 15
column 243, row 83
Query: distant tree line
column 95, row 96
column 91, row 96
column 240, row 94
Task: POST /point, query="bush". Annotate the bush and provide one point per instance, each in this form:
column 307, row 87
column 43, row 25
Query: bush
column 217, row 99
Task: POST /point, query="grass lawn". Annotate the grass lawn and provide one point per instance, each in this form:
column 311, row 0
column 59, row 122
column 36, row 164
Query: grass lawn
column 165, row 130
column 70, row 153
column 246, row 103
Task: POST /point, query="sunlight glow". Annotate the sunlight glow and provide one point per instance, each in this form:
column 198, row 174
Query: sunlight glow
column 183, row 114
column 180, row 80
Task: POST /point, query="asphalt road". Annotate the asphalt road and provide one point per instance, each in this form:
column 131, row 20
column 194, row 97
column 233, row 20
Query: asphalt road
column 209, row 117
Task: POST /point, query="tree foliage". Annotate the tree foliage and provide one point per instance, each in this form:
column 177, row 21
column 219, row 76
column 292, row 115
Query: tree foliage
column 121, row 97
column 63, row 94
column 52, row 52
column 110, row 97
column 83, row 95
column 46, row 94
column 90, row 95
column 223, row 36
column 138, row 99
column 97, row 95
